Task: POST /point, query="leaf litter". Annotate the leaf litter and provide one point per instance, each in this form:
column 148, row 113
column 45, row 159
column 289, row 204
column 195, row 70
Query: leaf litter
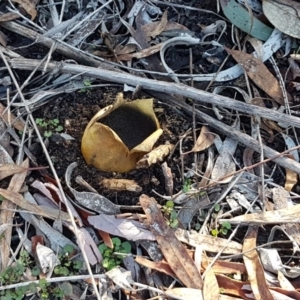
column 212, row 205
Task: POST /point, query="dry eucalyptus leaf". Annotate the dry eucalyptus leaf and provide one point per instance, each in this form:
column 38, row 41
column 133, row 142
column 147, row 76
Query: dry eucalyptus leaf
column 46, row 258
column 259, row 73
column 254, row 267
column 284, row 15
column 29, row 6
column 205, row 140
column 126, row 133
column 90, row 200
column 185, row 294
column 129, row 229
column 158, row 28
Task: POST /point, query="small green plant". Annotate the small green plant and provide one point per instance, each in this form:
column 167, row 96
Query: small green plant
column 68, row 266
column 111, row 260
column 48, row 127
column 14, row 274
column 223, row 229
column 86, row 83
column 187, row 184
column 170, row 214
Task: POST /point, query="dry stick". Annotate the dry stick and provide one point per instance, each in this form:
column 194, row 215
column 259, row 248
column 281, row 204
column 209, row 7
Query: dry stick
column 250, row 142
column 163, row 87
column 62, row 47
column 198, row 95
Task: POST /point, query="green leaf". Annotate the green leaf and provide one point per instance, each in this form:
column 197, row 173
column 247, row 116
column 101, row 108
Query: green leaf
column 102, row 248
column 116, row 241
column 125, row 247
column 43, row 283
column 174, row 223
column 67, row 288
column 170, row 204
column 77, row 264
column 35, row 271
column 223, row 231
column 226, row 225
column 32, row 287
column 106, row 262
column 68, row 249
column 47, row 133
column 240, row 17
column 59, row 128
column 214, row 232
column 217, row 207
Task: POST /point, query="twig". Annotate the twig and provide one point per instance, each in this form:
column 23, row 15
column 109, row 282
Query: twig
column 161, row 86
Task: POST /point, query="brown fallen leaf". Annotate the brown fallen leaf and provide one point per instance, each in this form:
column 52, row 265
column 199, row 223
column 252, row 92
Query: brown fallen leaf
column 270, row 217
column 233, row 287
column 288, row 293
column 141, row 54
column 106, row 238
column 184, row 293
column 158, row 28
column 174, row 252
column 284, row 282
column 224, row 267
column 208, row 242
column 7, row 207
column 211, row 289
column 204, row 141
column 161, row 266
column 14, row 121
column 29, row 6
column 291, row 177
column 3, row 39
column 10, row 16
column 120, row 185
column 10, row 169
column 157, row 154
column 259, row 73
column 41, row 210
column 256, row 275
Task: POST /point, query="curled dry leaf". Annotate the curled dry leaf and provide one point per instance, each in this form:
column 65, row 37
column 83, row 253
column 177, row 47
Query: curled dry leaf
column 205, row 140
column 29, row 6
column 120, row 185
column 157, row 154
column 90, row 200
column 11, row 118
column 225, row 164
column 46, row 258
column 120, row 134
column 156, row 28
